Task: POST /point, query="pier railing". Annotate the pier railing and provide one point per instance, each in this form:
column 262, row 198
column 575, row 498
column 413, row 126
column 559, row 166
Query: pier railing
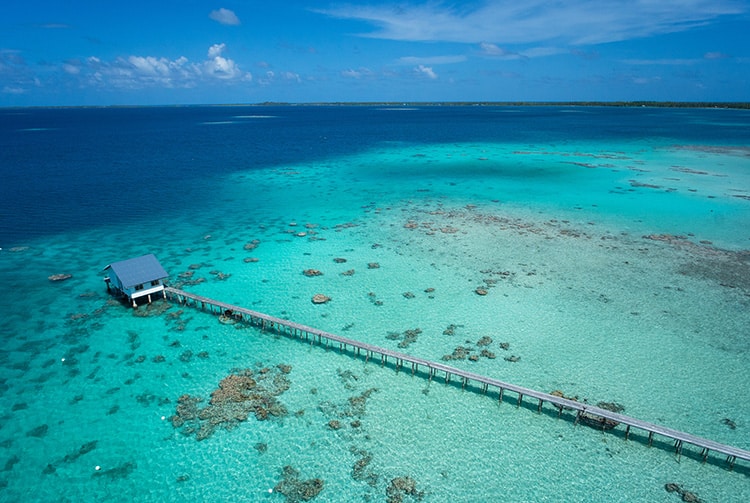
column 582, row 411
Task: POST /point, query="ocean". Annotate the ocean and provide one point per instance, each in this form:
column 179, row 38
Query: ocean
column 600, row 252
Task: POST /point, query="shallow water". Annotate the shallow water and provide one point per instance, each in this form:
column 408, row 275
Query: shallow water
column 613, row 250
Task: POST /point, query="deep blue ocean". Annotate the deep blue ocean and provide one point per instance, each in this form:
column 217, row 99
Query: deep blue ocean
column 601, row 252
column 73, row 168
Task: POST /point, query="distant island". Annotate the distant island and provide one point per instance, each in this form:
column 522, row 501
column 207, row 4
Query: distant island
column 659, row 104
column 404, row 104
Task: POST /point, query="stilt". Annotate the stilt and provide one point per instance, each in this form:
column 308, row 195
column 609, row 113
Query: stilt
column 500, row 395
column 539, row 408
column 627, row 432
column 678, row 449
column 520, row 397
column 650, row 438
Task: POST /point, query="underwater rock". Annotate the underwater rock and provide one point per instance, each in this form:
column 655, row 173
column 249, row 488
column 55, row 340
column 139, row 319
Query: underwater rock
column 611, row 406
column 118, row 472
column 460, row 353
column 319, row 298
column 484, row 341
column 38, row 432
column 334, row 424
column 407, row 337
column 350, row 272
column 11, row 462
column 240, row 394
column 373, row 265
column 59, row 277
column 505, row 345
column 481, row 291
column 687, row 496
column 84, row 449
column 408, row 295
column 512, row 358
column 400, row 487
column 732, row 425
column 296, row 490
column 360, row 470
column 339, row 260
column 312, row 272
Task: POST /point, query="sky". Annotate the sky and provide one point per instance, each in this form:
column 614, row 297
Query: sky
column 136, row 52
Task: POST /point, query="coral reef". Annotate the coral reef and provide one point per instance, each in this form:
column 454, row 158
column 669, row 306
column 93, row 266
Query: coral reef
column 406, row 338
column 687, row 496
column 296, row 490
column 59, row 277
column 319, row 298
column 240, row 394
column 401, row 487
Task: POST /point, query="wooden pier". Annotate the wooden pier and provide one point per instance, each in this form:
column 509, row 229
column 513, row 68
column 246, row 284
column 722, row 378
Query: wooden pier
column 432, row 369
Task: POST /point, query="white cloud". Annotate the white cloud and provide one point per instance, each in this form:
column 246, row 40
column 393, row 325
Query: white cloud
column 359, row 73
column 495, row 51
column 667, row 61
column 13, row 90
column 425, row 71
column 576, row 22
column 221, row 67
column 225, row 16
column 216, row 50
column 291, row 76
column 432, row 60
column 71, row 68
column 138, row 72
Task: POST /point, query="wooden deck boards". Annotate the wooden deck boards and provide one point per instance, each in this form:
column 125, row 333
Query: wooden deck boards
column 274, row 323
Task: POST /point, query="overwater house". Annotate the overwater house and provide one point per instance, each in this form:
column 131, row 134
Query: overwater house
column 137, row 278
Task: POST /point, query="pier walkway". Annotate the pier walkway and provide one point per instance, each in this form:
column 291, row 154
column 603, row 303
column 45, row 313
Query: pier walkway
column 583, row 412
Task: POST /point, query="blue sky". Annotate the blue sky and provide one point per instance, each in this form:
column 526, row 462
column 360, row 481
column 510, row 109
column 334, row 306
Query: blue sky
column 97, row 52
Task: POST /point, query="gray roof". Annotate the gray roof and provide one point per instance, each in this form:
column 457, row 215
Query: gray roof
column 139, row 270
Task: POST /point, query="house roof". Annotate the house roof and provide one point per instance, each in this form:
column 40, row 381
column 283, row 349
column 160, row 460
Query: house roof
column 138, row 270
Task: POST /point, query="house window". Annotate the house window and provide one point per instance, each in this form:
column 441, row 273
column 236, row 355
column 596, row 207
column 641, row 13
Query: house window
column 138, row 287
column 155, row 282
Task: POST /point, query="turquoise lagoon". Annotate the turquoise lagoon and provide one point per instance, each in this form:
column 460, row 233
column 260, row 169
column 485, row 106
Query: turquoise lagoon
column 612, row 245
